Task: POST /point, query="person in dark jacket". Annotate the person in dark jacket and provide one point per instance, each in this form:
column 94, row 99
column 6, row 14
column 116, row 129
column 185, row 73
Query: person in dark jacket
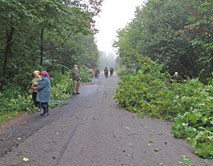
column 106, row 72
column 43, row 92
column 97, row 73
column 111, row 71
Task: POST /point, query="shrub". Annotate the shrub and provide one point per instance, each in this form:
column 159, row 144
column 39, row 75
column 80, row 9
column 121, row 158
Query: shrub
column 85, row 76
column 188, row 104
column 61, row 86
column 12, row 98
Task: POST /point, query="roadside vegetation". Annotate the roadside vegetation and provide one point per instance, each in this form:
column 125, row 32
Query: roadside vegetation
column 48, row 35
column 189, row 104
column 172, row 36
column 13, row 100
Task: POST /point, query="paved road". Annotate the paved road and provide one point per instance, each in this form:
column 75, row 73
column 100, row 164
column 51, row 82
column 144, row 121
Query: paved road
column 93, row 131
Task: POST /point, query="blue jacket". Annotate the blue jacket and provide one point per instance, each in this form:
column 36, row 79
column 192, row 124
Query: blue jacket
column 43, row 93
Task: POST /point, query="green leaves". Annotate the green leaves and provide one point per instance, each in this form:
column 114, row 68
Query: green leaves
column 177, row 33
column 85, row 76
column 60, row 86
column 56, row 33
column 188, row 104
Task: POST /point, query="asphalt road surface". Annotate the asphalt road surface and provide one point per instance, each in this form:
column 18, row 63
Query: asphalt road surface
column 92, row 131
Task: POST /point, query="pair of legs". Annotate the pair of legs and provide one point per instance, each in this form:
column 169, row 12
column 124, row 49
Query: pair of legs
column 76, row 86
column 45, row 108
column 97, row 76
column 36, row 103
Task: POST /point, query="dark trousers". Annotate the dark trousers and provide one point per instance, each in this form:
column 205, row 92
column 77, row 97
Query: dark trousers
column 44, row 106
column 36, row 103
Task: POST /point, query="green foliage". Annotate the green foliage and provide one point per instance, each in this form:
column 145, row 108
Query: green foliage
column 140, row 92
column 60, row 86
column 196, row 124
column 13, row 101
column 188, row 104
column 85, row 76
column 4, row 117
column 57, row 103
column 45, row 35
column 177, row 33
column 41, row 35
column 122, row 71
column 203, row 143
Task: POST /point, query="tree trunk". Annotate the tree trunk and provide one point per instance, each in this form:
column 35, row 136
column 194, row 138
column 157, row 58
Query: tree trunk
column 62, row 68
column 52, row 66
column 42, row 47
column 6, row 55
column 52, row 51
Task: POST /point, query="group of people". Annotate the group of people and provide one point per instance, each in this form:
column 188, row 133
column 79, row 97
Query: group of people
column 179, row 79
column 41, row 86
column 96, row 72
column 106, row 72
column 41, row 91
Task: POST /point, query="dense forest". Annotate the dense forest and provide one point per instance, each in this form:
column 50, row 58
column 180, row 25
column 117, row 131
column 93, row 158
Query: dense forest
column 50, row 35
column 45, row 35
column 168, row 36
column 179, row 34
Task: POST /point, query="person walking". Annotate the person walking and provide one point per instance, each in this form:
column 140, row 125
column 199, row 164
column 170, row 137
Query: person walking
column 34, row 83
column 97, row 73
column 106, row 72
column 43, row 92
column 111, row 71
column 75, row 77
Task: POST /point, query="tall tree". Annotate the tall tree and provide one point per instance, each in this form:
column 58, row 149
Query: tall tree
column 33, row 33
column 176, row 33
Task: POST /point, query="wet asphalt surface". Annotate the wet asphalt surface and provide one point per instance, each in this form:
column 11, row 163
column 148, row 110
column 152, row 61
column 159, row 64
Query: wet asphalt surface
column 93, row 131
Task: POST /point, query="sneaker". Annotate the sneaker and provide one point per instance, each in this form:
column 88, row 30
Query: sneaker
column 74, row 93
column 78, row 93
column 39, row 110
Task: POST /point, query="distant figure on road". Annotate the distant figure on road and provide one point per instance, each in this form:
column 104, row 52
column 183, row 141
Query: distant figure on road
column 176, row 77
column 95, row 70
column 43, row 94
column 97, row 73
column 106, row 72
column 111, row 71
column 75, row 77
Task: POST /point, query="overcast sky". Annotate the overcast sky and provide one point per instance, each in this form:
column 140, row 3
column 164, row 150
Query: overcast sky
column 115, row 15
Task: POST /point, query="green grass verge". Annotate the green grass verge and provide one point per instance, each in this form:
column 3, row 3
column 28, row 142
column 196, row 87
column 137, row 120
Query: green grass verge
column 4, row 117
